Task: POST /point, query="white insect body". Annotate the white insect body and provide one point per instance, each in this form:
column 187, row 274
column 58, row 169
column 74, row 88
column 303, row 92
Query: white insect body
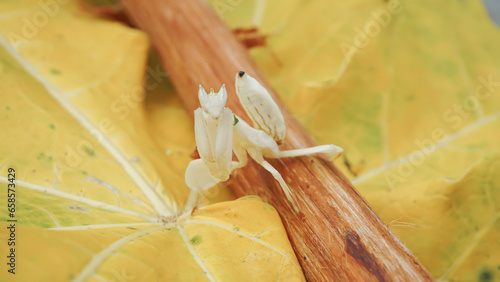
column 218, row 132
column 214, row 132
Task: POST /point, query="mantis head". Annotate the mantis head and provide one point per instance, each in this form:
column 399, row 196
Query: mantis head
column 213, row 103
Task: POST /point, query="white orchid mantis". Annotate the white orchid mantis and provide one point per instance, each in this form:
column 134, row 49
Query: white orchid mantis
column 218, row 133
column 213, row 128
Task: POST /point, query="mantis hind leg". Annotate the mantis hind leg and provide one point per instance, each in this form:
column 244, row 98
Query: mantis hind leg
column 282, row 183
column 330, row 150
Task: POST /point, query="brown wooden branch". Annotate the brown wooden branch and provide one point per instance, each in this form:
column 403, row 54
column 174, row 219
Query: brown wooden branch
column 336, row 236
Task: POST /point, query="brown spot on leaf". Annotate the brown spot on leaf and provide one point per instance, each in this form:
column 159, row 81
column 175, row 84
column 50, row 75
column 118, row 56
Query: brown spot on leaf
column 167, row 219
column 77, row 208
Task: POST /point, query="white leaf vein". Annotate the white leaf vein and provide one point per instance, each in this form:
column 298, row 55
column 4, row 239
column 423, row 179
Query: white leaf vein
column 72, row 197
column 98, row 259
column 158, row 204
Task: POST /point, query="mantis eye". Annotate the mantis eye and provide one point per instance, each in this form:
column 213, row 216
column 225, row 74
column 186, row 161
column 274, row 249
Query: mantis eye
column 213, row 103
column 260, row 106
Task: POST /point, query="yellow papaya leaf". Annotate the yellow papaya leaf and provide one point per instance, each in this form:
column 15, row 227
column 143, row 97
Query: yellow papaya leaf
column 242, row 238
column 451, row 224
column 90, row 102
column 46, row 208
column 98, row 168
column 411, row 91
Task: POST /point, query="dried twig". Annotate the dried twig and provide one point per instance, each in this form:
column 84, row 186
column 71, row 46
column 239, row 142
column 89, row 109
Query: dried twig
column 336, row 236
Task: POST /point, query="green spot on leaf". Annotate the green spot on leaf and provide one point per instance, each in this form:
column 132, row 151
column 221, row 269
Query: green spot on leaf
column 52, row 126
column 89, row 151
column 196, row 240
column 7, row 108
column 84, row 172
column 410, row 98
column 55, row 71
column 45, row 225
column 485, row 276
